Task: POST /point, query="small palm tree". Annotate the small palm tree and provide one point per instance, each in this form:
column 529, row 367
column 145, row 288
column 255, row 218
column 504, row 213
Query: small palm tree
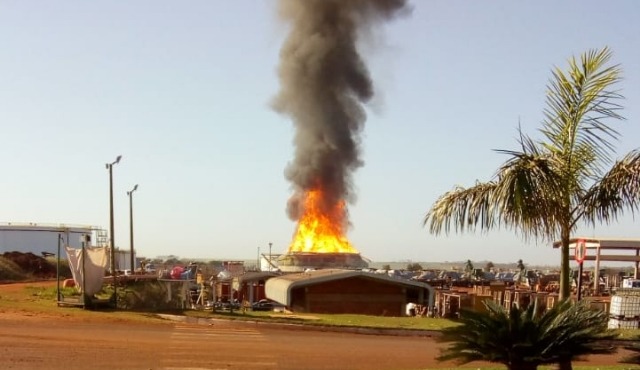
column 633, row 346
column 521, row 339
column 546, row 188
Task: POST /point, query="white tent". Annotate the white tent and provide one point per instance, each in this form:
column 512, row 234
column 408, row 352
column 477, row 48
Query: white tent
column 88, row 266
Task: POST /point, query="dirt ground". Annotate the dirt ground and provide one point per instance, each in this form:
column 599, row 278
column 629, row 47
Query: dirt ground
column 45, row 336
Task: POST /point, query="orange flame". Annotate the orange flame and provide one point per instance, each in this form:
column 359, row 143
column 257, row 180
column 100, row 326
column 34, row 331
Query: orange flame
column 319, row 232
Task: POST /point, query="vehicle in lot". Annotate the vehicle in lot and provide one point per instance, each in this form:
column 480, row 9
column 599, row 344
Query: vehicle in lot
column 266, row 305
column 226, row 305
column 150, row 269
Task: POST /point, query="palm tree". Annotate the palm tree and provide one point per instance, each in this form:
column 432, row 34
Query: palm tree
column 547, row 187
column 489, row 266
column 468, row 267
column 634, row 347
column 521, row 339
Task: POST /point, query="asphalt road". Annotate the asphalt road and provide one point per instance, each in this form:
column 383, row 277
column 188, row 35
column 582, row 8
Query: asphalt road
column 33, row 343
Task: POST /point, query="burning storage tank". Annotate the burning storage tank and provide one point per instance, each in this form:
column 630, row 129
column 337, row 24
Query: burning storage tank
column 324, row 82
column 301, row 261
column 319, row 240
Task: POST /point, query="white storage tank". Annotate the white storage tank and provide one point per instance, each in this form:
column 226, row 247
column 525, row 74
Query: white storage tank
column 623, row 324
column 37, row 237
column 625, row 306
column 624, row 311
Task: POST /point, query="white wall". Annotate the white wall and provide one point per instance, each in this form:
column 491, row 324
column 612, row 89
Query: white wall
column 38, row 241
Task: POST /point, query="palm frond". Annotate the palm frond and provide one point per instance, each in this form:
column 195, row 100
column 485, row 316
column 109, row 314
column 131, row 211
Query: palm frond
column 578, row 103
column 520, row 336
column 618, row 189
column 529, row 191
column 463, row 209
column 634, row 347
column 573, row 330
column 468, row 341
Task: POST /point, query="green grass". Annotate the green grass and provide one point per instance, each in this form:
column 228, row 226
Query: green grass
column 629, row 334
column 412, row 323
column 415, row 323
column 49, row 293
column 422, row 323
column 341, row 320
column 34, row 299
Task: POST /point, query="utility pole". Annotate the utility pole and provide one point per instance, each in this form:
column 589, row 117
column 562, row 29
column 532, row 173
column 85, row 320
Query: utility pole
column 112, row 238
column 130, row 194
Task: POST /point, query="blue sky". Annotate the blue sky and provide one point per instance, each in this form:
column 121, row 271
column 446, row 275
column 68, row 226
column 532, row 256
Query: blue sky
column 182, row 92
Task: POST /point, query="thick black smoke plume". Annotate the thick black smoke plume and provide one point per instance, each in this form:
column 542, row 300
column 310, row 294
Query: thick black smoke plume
column 324, row 82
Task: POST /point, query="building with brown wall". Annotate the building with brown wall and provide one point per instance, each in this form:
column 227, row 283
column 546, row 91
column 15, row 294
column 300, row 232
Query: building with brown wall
column 250, row 285
column 347, row 291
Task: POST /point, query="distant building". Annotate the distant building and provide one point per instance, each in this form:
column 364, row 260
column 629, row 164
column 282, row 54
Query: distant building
column 37, row 238
column 250, row 285
column 269, row 262
column 123, row 260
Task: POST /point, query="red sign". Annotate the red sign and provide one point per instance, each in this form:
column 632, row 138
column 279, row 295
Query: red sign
column 580, row 250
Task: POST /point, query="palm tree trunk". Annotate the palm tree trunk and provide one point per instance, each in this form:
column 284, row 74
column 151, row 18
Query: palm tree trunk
column 565, row 288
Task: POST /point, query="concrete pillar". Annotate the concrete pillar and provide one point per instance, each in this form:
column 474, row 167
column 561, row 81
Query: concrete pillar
column 596, row 273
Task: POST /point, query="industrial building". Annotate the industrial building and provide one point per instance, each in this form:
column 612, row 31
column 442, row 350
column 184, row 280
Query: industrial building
column 39, row 237
column 42, row 239
column 347, row 291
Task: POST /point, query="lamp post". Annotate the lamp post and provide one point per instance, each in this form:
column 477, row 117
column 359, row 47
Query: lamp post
column 130, row 194
column 111, row 229
column 270, row 256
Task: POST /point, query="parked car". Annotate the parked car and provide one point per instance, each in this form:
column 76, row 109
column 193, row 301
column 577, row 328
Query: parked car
column 226, row 305
column 150, row 269
column 266, row 305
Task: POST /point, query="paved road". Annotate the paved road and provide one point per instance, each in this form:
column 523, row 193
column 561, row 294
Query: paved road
column 33, row 343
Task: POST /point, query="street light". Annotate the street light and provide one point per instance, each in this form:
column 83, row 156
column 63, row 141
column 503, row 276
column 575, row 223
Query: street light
column 130, row 194
column 270, row 256
column 111, row 231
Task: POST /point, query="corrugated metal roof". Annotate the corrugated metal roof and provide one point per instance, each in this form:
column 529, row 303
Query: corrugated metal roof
column 33, row 226
column 278, row 288
column 256, row 275
column 603, row 243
